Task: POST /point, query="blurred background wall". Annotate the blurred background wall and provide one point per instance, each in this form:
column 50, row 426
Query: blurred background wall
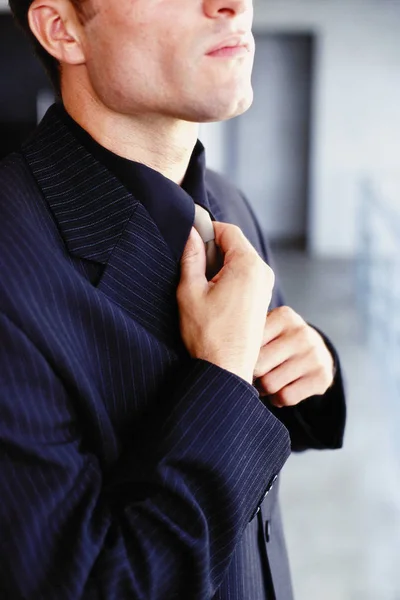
column 24, row 88
column 354, row 126
column 318, row 156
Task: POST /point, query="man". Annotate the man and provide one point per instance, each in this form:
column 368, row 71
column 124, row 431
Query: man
column 138, row 460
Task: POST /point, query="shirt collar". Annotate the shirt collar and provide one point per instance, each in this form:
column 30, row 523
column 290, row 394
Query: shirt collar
column 171, row 206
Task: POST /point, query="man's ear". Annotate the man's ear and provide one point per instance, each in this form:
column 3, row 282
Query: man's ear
column 57, row 28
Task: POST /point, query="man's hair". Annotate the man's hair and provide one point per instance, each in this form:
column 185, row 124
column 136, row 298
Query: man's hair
column 20, row 9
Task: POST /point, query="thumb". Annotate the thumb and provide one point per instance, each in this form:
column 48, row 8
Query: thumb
column 193, row 261
column 229, row 237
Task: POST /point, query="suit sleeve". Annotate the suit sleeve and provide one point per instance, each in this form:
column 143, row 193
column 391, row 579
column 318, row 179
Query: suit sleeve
column 317, row 422
column 163, row 522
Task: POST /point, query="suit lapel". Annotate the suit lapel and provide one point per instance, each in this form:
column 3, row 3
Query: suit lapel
column 99, row 220
column 141, row 277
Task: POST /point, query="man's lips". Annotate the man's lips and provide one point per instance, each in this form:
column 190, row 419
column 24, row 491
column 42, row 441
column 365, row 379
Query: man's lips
column 233, row 46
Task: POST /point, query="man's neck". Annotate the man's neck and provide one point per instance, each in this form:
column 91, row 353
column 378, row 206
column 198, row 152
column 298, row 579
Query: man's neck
column 162, row 143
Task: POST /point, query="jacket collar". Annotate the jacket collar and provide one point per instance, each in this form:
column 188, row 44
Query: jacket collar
column 89, row 204
column 101, row 221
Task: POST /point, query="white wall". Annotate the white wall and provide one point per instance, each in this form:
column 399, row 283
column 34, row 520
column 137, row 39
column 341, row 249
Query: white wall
column 356, row 116
column 269, row 142
column 356, row 121
column 212, row 136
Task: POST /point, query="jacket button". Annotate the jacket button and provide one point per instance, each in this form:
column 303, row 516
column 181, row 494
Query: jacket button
column 268, row 530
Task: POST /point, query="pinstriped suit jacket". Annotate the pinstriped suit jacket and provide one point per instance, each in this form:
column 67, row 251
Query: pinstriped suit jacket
column 127, row 469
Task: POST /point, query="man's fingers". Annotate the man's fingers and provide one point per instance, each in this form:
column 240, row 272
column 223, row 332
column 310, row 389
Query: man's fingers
column 272, row 355
column 229, row 236
column 274, row 326
column 295, row 392
column 294, row 362
column 285, row 374
column 283, row 345
column 193, row 261
column 230, row 239
column 279, row 320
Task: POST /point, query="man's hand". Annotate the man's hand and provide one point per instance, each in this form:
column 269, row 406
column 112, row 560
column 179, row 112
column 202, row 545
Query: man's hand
column 294, row 362
column 223, row 320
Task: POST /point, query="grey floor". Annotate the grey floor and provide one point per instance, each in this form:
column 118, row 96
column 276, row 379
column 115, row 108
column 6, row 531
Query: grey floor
column 342, row 509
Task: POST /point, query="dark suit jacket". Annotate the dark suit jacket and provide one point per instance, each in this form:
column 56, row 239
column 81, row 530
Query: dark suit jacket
column 127, row 469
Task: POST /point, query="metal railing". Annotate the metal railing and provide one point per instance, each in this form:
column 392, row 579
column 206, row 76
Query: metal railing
column 378, row 279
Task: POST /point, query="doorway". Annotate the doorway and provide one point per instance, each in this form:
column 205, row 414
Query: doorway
column 269, row 146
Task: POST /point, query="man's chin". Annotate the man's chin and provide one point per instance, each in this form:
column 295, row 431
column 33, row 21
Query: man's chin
column 222, row 111
column 241, row 107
